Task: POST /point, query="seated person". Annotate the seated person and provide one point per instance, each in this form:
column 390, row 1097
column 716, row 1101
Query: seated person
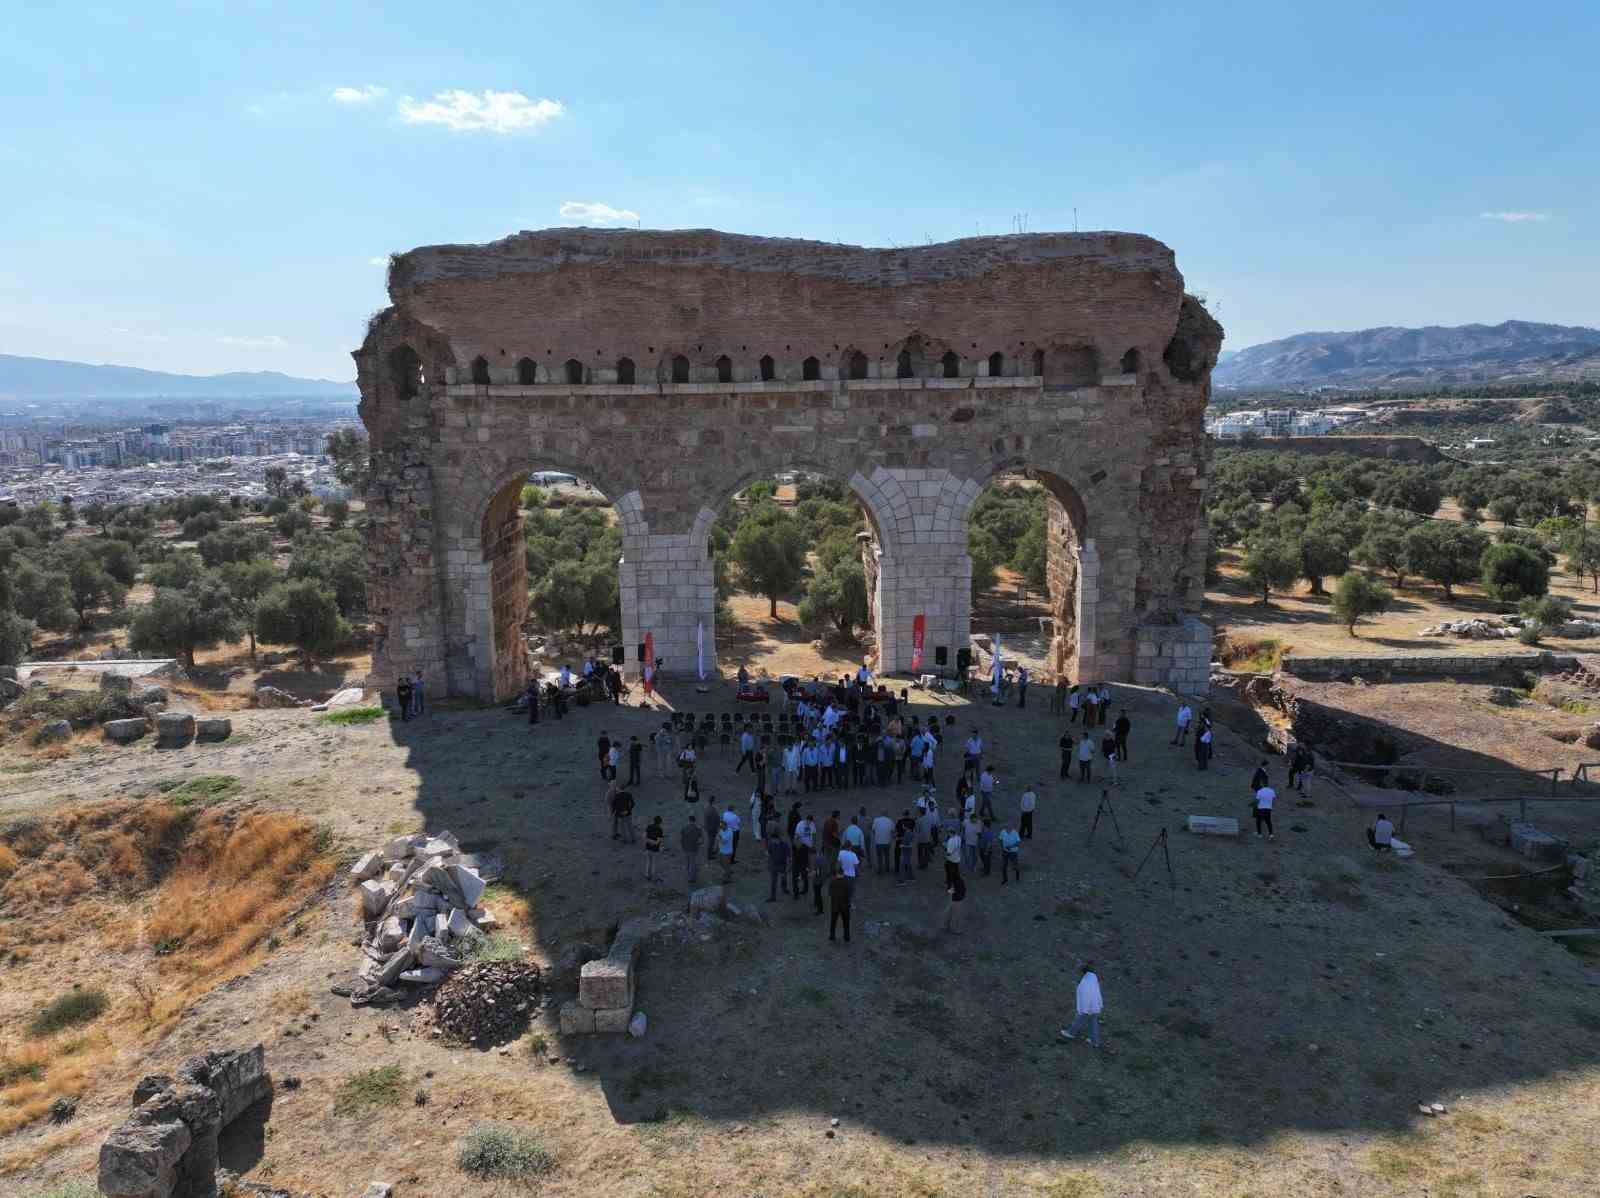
column 1381, row 835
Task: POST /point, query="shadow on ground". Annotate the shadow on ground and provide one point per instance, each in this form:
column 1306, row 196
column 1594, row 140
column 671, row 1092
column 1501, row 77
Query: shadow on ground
column 1298, row 983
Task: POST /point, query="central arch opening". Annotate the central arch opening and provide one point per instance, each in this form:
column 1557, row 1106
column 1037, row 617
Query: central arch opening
column 791, row 574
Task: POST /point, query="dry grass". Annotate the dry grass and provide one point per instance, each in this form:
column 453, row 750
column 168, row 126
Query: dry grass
column 34, row 1075
column 181, row 898
column 1255, row 655
column 236, row 882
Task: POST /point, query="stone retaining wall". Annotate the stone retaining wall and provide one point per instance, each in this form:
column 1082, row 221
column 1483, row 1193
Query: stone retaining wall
column 1424, row 665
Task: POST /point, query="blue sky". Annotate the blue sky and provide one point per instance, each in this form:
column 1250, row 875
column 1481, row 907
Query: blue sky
column 213, row 186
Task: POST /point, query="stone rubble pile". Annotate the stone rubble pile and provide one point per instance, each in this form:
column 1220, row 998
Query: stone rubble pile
column 1508, row 626
column 490, row 1000
column 1476, row 630
column 420, row 899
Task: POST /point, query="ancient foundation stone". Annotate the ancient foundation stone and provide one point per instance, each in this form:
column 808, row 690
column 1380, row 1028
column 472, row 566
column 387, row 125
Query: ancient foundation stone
column 124, row 731
column 168, row 1147
column 213, row 728
column 174, row 729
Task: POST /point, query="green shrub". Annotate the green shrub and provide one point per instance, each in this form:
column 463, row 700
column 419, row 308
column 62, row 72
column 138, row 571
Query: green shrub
column 498, row 947
column 68, row 1189
column 203, row 791
column 71, row 1009
column 492, row 1150
column 1530, row 633
column 1512, row 573
column 1550, row 610
column 363, row 1092
column 352, row 715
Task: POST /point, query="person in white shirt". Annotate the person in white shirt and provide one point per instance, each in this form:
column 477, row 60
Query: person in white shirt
column 1105, row 702
column 1382, row 836
column 1090, row 1004
column 747, row 751
column 974, row 754
column 986, row 781
column 791, row 768
column 952, row 855
column 849, row 864
column 730, row 820
column 1085, row 759
column 970, row 830
column 883, row 842
column 1030, row 800
column 1263, row 812
column 1185, row 717
column 927, row 760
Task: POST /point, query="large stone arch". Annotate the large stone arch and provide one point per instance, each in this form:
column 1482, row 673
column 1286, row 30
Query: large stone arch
column 1124, row 451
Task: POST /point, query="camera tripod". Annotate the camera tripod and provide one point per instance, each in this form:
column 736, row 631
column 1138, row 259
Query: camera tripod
column 1105, row 808
column 1161, row 839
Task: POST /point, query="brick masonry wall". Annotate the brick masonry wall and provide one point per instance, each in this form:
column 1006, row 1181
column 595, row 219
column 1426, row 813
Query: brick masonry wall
column 1120, row 447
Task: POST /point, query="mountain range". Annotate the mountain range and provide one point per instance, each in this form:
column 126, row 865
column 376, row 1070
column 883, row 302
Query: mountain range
column 29, row 379
column 1402, row 358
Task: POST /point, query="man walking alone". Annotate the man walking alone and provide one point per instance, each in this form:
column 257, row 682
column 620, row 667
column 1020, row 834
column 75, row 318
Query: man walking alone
column 1090, row 1004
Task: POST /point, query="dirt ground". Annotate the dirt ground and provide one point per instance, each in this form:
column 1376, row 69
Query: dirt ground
column 1303, row 623
column 1274, row 1013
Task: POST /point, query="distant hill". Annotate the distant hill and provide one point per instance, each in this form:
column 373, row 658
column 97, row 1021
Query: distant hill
column 30, row 379
column 1395, row 357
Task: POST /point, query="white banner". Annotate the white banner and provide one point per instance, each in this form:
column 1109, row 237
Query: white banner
column 998, row 670
column 700, row 649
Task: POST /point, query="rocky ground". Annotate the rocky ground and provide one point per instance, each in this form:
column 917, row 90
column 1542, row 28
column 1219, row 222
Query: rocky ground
column 1275, row 1009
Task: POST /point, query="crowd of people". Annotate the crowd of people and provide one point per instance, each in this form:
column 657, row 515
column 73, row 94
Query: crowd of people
column 848, row 735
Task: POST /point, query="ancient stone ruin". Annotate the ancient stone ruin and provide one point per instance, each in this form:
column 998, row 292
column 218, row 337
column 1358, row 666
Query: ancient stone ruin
column 168, row 1147
column 671, row 369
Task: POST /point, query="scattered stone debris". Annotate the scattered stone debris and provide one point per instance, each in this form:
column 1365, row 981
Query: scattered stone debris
column 271, row 696
column 420, row 906
column 487, row 1001
column 54, row 732
column 1476, row 630
column 1502, row 696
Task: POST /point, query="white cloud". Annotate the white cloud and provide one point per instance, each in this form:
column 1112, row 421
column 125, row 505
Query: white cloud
column 1513, row 218
column 488, row 111
column 364, row 94
column 271, row 341
column 595, row 213
column 137, row 336
column 384, row 261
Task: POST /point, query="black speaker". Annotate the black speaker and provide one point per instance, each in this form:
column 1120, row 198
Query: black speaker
column 963, row 659
column 641, row 652
column 941, row 655
column 616, row 655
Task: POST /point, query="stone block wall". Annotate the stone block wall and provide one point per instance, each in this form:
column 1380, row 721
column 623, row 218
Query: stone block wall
column 1425, row 665
column 1175, row 655
column 607, row 987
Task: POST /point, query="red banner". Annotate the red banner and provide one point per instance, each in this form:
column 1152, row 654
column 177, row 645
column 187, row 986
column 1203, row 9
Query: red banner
column 647, row 667
column 919, row 628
